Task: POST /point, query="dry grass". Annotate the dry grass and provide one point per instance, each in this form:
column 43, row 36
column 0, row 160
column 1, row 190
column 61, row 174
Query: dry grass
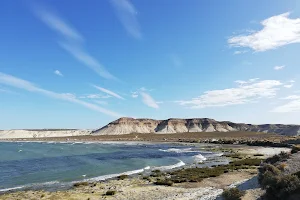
column 174, row 137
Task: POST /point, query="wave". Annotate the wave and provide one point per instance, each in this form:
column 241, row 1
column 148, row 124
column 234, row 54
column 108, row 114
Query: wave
column 199, row 158
column 186, row 150
column 109, row 176
column 33, row 185
column 168, row 167
column 13, row 188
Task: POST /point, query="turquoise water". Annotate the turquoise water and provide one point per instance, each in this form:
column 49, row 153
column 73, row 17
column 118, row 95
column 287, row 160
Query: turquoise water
column 30, row 165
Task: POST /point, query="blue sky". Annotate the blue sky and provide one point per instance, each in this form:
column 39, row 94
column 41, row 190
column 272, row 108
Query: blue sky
column 82, row 64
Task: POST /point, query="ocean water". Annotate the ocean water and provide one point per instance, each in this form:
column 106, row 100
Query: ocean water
column 33, row 165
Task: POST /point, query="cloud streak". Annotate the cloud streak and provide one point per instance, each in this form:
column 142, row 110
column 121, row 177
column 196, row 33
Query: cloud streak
column 279, row 67
column 73, row 42
column 85, row 58
column 292, row 106
column 246, row 92
column 26, row 85
column 127, row 13
column 148, row 100
column 109, row 92
column 277, row 31
column 58, row 25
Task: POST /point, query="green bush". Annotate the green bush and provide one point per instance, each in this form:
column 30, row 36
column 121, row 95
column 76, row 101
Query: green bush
column 80, row 184
column 233, row 194
column 279, row 157
column 198, row 174
column 110, row 192
column 288, row 185
column 277, row 185
column 247, row 161
column 122, row 177
column 164, row 182
column 295, row 149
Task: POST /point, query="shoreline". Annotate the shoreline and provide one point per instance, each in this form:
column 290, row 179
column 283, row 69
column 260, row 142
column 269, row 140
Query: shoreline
column 81, row 192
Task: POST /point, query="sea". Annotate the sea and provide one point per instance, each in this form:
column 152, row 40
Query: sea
column 57, row 165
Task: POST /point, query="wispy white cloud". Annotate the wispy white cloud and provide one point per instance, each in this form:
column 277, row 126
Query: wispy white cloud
column 279, row 67
column 148, row 100
column 239, row 52
column 127, row 14
column 277, row 31
column 73, row 42
column 58, row 25
column 26, row 85
column 58, row 73
column 94, row 96
column 289, row 84
column 109, row 92
column 292, row 106
column 245, row 92
column 85, row 58
column 134, row 94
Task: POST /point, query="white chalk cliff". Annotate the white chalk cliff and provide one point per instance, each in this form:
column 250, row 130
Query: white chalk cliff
column 130, row 125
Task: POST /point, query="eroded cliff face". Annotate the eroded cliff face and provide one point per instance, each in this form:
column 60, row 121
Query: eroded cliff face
column 131, row 125
column 41, row 133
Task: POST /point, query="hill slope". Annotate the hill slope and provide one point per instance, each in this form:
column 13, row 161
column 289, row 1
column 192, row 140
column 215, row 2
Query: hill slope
column 131, row 125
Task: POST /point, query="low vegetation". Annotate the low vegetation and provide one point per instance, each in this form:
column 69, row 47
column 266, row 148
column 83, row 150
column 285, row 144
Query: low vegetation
column 122, row 177
column 156, row 173
column 258, row 154
column 164, row 182
column 198, row 174
column 283, row 156
column 110, row 192
column 295, row 149
column 80, row 184
column 278, row 186
column 233, row 194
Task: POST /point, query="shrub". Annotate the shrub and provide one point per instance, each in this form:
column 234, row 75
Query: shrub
column 80, row 184
column 110, row 192
column 278, row 186
column 233, row 194
column 198, row 174
column 295, row 149
column 287, row 185
column 282, row 166
column 267, row 168
column 258, row 154
column 164, row 182
column 122, row 177
column 283, row 156
column 248, row 161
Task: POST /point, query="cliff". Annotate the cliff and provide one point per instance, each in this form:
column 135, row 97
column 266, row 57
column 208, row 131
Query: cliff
column 131, row 125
